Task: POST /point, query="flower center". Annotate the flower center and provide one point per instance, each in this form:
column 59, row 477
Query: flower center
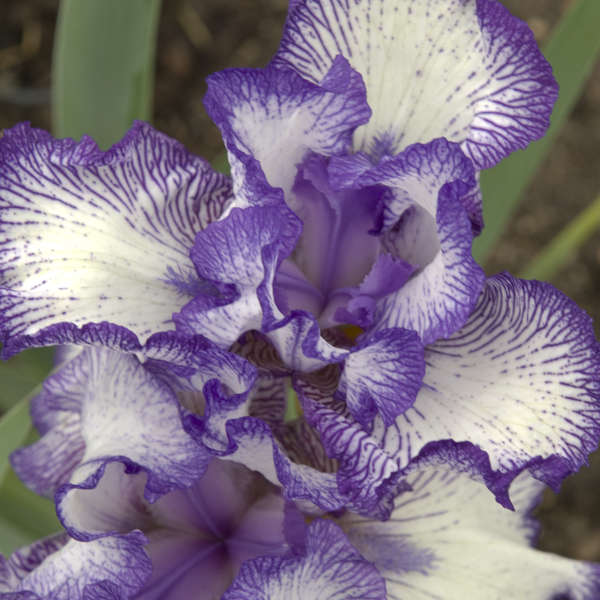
column 204, row 533
column 336, row 249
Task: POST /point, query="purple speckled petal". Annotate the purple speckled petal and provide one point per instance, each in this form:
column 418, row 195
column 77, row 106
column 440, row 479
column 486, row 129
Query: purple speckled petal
column 110, row 408
column 330, row 569
column 447, row 538
column 25, row 560
column 276, row 117
column 299, row 343
column 79, row 570
column 462, row 69
column 426, row 223
column 100, row 230
column 366, row 475
column 240, row 254
column 383, row 375
column 518, row 381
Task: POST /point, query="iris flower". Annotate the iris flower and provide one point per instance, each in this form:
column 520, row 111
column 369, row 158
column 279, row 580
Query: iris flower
column 332, row 274
column 149, row 513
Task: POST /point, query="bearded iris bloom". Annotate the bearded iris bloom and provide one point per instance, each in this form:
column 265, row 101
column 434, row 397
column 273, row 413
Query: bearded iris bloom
column 151, row 514
column 334, row 267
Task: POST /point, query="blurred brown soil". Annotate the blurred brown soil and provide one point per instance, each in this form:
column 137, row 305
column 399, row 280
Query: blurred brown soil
column 198, row 37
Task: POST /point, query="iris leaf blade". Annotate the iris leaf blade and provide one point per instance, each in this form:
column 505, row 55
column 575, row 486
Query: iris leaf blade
column 103, row 67
column 24, row 516
column 572, row 51
column 20, row 373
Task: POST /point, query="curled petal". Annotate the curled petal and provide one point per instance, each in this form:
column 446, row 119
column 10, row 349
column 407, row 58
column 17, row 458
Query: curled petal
column 447, row 538
column 516, row 388
column 117, row 565
column 467, row 71
column 428, row 220
column 87, row 234
column 276, row 117
column 330, row 569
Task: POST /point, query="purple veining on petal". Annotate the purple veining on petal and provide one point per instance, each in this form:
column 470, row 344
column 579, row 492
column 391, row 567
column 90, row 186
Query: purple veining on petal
column 383, row 375
column 242, row 252
column 116, row 225
column 424, row 222
column 526, row 395
column 468, row 71
column 272, row 118
column 329, row 569
column 107, row 408
column 117, row 565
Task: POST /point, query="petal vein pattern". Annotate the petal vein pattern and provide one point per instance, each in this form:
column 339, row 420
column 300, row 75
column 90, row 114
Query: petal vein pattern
column 447, row 540
column 518, row 382
column 93, row 236
column 276, row 117
column 461, row 69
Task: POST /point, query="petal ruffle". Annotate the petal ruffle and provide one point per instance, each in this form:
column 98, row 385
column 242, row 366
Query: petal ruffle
column 383, row 375
column 276, row 117
column 111, row 409
column 79, row 570
column 240, row 255
column 87, row 234
column 516, row 388
column 426, row 222
column 447, row 538
column 467, row 71
column 330, row 569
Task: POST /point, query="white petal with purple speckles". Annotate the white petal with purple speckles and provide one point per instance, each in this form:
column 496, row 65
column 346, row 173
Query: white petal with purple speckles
column 330, row 569
column 276, row 117
column 121, row 413
column 240, row 254
column 447, row 539
column 519, row 381
column 73, row 571
column 462, row 69
column 95, row 236
column 56, row 413
column 383, row 375
column 426, row 223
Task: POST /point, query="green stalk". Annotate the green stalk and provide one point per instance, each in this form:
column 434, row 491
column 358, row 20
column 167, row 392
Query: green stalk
column 103, row 67
column 554, row 256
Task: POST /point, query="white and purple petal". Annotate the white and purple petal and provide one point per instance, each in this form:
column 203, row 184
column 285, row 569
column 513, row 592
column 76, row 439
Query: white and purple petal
column 516, row 388
column 82, row 570
column 426, row 222
column 87, row 234
column 240, row 255
column 465, row 70
column 108, row 408
column 447, row 539
column 368, row 479
column 276, row 117
column 329, row 569
column 382, row 375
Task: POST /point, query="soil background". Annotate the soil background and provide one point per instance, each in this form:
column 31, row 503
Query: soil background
column 198, row 37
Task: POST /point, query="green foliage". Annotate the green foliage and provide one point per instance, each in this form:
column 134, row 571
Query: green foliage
column 24, row 516
column 103, row 69
column 572, row 51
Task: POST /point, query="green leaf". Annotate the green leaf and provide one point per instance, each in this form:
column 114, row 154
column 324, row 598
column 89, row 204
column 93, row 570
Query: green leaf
column 103, row 67
column 24, row 516
column 556, row 254
column 572, row 51
column 15, row 427
column 20, row 373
